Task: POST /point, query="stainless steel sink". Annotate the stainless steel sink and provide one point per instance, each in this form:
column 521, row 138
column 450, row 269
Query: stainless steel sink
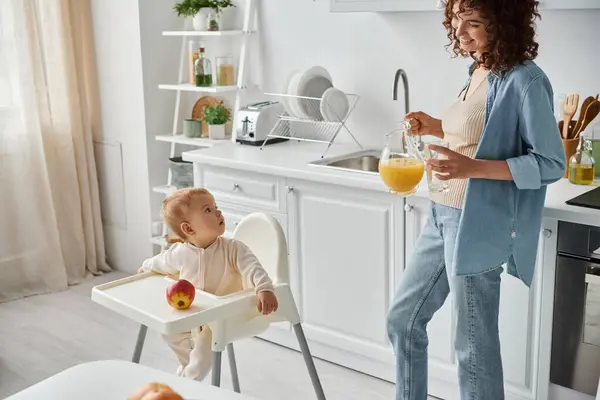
column 366, row 161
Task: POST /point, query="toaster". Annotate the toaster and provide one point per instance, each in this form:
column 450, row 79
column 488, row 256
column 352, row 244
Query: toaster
column 254, row 122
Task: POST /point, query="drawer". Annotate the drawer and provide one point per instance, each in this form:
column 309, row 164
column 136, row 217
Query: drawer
column 244, row 188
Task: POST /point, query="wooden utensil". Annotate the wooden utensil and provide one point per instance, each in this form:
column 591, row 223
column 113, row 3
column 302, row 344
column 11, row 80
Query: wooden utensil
column 569, row 109
column 592, row 111
column 586, row 103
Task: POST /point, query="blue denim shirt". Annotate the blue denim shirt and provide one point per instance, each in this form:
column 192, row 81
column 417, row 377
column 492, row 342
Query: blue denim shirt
column 501, row 220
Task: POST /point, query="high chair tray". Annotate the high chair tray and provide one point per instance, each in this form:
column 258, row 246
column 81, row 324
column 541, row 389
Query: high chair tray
column 142, row 298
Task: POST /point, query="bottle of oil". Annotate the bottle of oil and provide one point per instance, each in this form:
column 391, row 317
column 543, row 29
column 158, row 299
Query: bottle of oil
column 582, row 164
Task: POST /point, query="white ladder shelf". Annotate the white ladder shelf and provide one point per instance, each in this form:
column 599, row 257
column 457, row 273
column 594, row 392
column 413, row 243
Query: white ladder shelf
column 176, row 138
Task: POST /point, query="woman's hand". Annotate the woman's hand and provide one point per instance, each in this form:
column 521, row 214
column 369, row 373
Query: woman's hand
column 454, row 166
column 267, row 302
column 457, row 166
column 423, row 124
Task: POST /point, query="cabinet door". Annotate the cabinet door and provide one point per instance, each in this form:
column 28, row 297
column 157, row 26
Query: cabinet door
column 344, row 248
column 383, row 5
column 524, row 331
column 440, row 329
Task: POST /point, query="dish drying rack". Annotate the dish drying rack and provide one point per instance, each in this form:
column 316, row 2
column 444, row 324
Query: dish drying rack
column 314, row 128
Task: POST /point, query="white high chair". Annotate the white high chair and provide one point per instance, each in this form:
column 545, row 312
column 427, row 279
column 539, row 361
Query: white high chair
column 231, row 317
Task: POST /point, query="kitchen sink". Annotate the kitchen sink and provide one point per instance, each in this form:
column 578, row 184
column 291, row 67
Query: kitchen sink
column 366, row 161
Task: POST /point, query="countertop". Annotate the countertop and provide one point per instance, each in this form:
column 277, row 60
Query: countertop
column 292, row 160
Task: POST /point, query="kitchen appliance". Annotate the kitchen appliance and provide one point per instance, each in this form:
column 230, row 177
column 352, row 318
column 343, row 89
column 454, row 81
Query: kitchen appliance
column 575, row 362
column 589, row 199
column 255, row 121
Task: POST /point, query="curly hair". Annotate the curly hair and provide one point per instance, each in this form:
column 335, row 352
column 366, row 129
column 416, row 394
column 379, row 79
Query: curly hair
column 511, row 31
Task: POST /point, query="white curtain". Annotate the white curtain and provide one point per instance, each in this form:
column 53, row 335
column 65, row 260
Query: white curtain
column 50, row 225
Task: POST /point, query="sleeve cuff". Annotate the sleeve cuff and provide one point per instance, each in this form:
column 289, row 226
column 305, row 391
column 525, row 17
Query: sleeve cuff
column 525, row 172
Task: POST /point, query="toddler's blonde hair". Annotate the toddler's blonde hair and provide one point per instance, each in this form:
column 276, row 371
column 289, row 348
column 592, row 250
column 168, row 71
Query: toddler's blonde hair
column 176, row 206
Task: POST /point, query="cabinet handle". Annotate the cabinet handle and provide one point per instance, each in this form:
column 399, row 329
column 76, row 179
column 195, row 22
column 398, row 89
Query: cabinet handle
column 547, row 233
column 236, row 186
column 408, row 208
column 290, row 189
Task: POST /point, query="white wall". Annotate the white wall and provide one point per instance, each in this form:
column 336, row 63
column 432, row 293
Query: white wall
column 119, row 64
column 363, row 51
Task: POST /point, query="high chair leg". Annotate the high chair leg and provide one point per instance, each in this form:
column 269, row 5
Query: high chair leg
column 139, row 344
column 312, row 370
column 216, row 368
column 235, row 380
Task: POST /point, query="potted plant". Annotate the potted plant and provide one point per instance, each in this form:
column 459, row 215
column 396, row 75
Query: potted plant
column 206, row 14
column 216, row 118
column 198, row 10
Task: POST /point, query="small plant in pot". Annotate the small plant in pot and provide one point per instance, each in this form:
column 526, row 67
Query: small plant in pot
column 216, row 118
column 205, row 13
column 198, row 10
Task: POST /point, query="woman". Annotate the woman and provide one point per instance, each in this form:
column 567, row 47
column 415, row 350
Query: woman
column 505, row 148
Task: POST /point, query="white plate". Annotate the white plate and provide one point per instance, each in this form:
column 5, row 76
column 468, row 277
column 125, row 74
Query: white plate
column 315, row 87
column 300, row 85
column 285, row 100
column 334, row 105
column 293, row 103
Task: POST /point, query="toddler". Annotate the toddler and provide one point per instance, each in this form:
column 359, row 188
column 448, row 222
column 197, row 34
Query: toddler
column 211, row 263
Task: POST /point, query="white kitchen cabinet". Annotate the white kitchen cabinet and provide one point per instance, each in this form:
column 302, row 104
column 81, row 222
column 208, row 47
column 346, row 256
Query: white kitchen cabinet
column 346, row 247
column 431, row 5
column 569, row 4
column 383, row 5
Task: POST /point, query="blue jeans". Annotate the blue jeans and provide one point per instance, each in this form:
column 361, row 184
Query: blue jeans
column 427, row 281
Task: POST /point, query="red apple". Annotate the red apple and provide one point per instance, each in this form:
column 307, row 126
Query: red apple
column 180, row 294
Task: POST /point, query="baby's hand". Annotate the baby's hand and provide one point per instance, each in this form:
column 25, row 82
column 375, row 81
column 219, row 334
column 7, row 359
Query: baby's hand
column 140, row 270
column 267, row 302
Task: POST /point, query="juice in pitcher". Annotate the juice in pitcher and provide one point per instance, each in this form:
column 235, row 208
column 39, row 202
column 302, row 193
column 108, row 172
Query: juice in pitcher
column 402, row 175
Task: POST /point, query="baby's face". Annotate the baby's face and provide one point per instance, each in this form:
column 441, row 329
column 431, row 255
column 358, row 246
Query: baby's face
column 205, row 219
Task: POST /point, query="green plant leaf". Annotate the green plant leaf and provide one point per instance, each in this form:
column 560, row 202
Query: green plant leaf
column 218, row 115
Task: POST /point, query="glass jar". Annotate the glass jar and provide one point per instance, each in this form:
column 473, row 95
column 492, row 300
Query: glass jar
column 225, row 71
column 401, row 165
column 582, row 164
column 203, row 69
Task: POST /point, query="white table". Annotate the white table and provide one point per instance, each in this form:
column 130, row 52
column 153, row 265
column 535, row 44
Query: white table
column 112, row 379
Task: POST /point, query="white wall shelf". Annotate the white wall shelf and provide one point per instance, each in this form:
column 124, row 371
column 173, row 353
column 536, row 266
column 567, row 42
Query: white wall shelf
column 188, row 87
column 175, row 138
column 180, row 139
column 206, row 33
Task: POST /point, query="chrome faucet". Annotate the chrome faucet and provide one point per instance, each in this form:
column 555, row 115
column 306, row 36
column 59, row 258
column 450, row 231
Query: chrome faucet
column 401, row 73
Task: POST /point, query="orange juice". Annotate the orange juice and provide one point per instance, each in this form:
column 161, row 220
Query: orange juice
column 402, row 175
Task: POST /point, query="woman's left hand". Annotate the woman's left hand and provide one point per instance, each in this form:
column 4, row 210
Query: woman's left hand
column 454, row 166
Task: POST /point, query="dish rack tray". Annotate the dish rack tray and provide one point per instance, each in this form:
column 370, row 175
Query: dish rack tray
column 311, row 129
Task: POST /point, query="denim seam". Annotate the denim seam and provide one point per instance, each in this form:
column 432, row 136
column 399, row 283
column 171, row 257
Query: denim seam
column 411, row 324
column 472, row 349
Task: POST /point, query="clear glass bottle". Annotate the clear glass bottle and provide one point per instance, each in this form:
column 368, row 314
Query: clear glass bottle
column 203, row 69
column 582, row 164
column 225, row 71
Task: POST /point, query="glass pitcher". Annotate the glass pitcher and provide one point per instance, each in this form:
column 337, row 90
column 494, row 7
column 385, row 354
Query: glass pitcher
column 402, row 165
